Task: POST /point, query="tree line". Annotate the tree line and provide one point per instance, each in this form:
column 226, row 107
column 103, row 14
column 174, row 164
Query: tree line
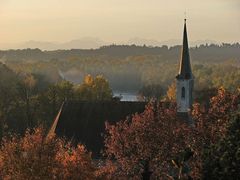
column 133, row 68
column 171, row 148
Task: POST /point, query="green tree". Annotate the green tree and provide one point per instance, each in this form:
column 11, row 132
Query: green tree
column 51, row 100
column 8, row 95
column 148, row 92
column 64, row 90
column 94, row 89
column 26, row 90
column 102, row 88
column 222, row 160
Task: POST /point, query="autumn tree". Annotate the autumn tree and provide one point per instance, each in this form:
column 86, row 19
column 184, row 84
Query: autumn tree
column 213, row 121
column 156, row 135
column 94, row 89
column 159, row 136
column 171, row 92
column 35, row 157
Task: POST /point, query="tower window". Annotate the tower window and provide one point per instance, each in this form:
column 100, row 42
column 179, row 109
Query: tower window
column 183, row 93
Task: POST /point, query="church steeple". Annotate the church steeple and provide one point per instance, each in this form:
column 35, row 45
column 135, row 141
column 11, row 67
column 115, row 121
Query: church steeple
column 185, row 71
column 185, row 81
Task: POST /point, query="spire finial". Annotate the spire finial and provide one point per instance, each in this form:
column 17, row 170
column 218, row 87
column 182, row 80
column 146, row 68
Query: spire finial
column 185, row 16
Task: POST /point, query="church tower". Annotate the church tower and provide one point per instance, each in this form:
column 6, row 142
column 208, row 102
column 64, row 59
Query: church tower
column 185, row 79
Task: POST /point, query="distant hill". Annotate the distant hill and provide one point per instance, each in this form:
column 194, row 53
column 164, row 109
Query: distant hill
column 202, row 53
column 83, row 43
column 94, row 43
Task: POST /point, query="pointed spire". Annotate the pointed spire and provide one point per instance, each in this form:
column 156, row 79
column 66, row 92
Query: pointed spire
column 185, row 71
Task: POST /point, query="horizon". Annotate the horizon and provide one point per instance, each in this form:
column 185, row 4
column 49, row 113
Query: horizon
column 79, row 44
column 110, row 22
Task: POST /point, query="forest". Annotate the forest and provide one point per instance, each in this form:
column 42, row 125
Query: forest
column 35, row 83
column 141, row 65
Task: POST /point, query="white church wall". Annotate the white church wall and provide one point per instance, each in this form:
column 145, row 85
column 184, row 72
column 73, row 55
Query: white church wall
column 184, row 104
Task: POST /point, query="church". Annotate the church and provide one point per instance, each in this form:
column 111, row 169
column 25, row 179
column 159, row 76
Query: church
column 184, row 79
column 84, row 122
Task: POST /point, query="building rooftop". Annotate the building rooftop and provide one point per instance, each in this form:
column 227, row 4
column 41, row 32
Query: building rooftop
column 84, row 122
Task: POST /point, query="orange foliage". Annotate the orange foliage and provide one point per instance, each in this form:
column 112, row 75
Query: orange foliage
column 171, row 92
column 34, row 157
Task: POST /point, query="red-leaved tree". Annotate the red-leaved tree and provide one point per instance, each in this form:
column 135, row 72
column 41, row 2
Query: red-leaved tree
column 158, row 136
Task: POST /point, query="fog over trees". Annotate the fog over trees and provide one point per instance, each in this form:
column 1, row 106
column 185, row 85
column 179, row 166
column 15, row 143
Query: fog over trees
column 141, row 65
column 35, row 83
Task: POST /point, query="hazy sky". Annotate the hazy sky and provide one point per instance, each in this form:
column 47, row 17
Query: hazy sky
column 118, row 20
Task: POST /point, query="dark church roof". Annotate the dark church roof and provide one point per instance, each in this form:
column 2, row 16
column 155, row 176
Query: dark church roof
column 185, row 71
column 84, row 122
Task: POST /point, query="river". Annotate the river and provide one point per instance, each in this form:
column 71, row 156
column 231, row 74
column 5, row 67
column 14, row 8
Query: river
column 126, row 96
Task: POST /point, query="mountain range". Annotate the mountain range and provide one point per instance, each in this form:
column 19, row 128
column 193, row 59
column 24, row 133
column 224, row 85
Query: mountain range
column 93, row 43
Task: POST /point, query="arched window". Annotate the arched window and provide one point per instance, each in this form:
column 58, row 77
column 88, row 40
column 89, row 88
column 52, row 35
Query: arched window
column 183, row 93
